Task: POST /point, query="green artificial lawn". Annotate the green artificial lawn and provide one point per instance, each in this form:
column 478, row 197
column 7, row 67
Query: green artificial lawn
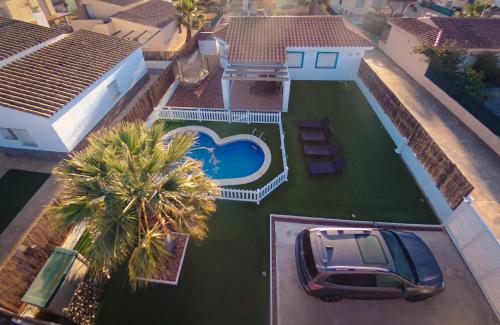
column 221, row 280
column 16, row 189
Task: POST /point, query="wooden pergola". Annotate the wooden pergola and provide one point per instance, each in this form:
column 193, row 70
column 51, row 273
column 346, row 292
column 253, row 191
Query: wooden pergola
column 255, row 72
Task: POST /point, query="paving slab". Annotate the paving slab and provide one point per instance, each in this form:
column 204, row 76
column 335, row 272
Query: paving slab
column 462, row 302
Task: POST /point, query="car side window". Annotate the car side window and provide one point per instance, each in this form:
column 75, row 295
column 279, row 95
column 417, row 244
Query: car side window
column 388, row 281
column 356, row 280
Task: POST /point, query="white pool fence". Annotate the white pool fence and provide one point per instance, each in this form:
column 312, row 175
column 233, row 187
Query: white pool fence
column 222, row 115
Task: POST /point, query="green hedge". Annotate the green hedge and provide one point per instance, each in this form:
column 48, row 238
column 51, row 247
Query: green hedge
column 474, row 106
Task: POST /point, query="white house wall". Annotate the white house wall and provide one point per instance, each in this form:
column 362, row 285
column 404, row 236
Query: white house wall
column 349, row 7
column 77, row 119
column 348, row 61
column 38, row 127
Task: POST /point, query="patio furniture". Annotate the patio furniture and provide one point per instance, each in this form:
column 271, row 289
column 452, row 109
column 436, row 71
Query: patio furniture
column 315, row 124
column 324, row 151
column 327, row 167
column 320, row 135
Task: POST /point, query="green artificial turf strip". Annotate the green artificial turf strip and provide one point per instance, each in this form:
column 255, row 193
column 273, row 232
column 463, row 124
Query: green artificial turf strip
column 16, row 189
column 221, row 280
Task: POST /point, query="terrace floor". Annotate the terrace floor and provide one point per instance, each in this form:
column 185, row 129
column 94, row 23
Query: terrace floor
column 225, row 279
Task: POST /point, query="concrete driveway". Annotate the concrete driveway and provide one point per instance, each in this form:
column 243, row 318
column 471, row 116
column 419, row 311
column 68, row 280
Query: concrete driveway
column 462, row 302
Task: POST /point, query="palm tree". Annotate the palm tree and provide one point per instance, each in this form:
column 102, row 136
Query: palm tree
column 133, row 189
column 190, row 15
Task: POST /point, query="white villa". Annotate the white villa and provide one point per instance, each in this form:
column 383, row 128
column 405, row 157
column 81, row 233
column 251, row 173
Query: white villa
column 281, row 49
column 152, row 23
column 54, row 87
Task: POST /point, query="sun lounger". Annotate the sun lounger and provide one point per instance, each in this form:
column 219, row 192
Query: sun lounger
column 327, row 167
column 325, row 151
column 315, row 124
column 321, row 135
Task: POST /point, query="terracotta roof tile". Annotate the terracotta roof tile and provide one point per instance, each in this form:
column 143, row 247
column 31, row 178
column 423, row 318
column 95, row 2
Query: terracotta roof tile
column 46, row 80
column 17, row 36
column 265, row 39
column 465, row 33
column 154, row 13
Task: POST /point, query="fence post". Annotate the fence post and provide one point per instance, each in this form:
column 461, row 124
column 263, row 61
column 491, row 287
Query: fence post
column 198, row 114
column 258, row 196
column 248, row 117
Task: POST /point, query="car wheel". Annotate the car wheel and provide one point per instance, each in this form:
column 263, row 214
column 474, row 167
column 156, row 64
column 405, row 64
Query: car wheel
column 416, row 298
column 331, row 298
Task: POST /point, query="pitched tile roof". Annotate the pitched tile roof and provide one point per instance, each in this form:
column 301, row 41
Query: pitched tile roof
column 46, row 80
column 265, row 39
column 122, row 3
column 465, row 33
column 154, row 13
column 17, row 36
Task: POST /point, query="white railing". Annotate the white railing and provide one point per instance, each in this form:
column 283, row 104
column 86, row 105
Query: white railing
column 218, row 115
column 222, row 115
column 479, row 248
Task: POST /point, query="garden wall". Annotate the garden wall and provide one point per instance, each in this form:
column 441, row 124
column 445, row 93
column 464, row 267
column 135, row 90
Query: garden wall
column 445, row 175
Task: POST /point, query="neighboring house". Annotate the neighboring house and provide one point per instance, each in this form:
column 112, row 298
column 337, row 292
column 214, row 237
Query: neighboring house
column 39, row 12
column 473, row 35
column 152, row 23
column 54, row 88
column 356, row 7
column 280, row 49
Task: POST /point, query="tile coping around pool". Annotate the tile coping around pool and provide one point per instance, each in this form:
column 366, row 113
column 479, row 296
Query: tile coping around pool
column 248, row 137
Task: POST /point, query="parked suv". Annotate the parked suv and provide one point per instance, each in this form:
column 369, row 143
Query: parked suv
column 365, row 263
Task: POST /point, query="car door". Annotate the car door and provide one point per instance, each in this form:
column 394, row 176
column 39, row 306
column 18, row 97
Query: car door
column 388, row 287
column 353, row 285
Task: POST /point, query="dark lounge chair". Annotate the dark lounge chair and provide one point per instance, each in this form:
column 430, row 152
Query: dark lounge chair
column 327, row 167
column 315, row 124
column 324, row 151
column 321, row 135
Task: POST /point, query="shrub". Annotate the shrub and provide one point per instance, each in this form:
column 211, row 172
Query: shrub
column 373, row 23
column 487, row 63
column 446, row 60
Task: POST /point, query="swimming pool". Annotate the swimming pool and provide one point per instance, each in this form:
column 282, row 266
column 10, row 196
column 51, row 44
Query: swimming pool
column 238, row 159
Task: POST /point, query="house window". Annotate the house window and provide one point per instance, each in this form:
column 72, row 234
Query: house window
column 295, row 59
column 360, row 3
column 326, row 60
column 114, row 90
column 25, row 138
column 8, row 134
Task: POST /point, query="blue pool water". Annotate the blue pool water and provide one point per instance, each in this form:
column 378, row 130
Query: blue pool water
column 232, row 160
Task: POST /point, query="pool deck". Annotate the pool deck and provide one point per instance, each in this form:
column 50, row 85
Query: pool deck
column 479, row 164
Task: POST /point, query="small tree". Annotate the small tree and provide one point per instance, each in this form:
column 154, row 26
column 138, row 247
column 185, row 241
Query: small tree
column 311, row 4
column 191, row 15
column 474, row 9
column 133, row 189
column 487, row 62
column 472, row 82
column 443, row 59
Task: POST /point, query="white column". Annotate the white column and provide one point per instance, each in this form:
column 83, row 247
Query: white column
column 226, row 92
column 286, row 95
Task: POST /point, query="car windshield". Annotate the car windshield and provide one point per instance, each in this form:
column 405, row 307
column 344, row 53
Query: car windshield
column 308, row 255
column 399, row 255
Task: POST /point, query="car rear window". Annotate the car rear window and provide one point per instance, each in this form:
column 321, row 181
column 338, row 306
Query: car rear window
column 308, row 255
column 399, row 255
